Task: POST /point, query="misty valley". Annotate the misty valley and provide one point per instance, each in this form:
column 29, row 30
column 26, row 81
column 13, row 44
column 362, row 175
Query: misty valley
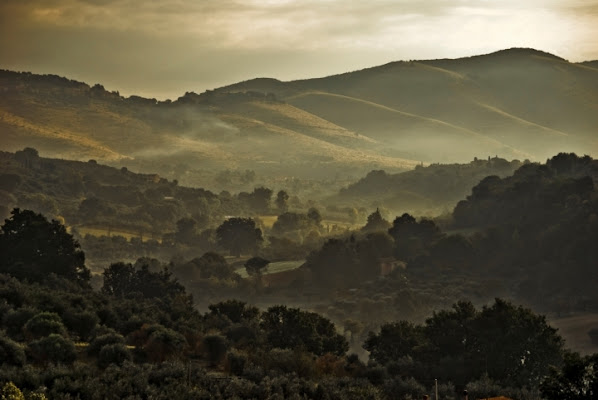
column 417, row 228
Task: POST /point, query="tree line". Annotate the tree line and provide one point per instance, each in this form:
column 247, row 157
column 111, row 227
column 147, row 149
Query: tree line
column 141, row 335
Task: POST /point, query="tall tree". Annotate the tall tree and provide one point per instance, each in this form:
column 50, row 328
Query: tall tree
column 376, row 223
column 239, row 235
column 186, row 231
column 576, row 380
column 282, row 200
column 291, row 328
column 33, row 248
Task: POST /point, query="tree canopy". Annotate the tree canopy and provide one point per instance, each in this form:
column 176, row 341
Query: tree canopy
column 292, row 328
column 514, row 346
column 239, row 235
column 32, row 248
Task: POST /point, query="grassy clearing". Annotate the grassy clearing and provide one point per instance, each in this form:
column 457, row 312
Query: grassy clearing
column 274, row 267
column 99, row 231
column 268, row 220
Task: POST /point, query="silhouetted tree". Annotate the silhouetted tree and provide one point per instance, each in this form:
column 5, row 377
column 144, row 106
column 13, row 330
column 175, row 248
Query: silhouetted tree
column 11, row 352
column 115, row 353
column 513, row 345
column 215, row 347
column 44, row 324
column 517, row 345
column 234, row 310
column 186, row 231
column 291, row 328
column 123, row 280
column 239, row 235
column 282, row 200
column 28, row 157
column 259, row 199
column 53, row 348
column 394, row 341
column 376, row 223
column 577, row 379
column 291, row 221
column 314, row 215
column 32, row 248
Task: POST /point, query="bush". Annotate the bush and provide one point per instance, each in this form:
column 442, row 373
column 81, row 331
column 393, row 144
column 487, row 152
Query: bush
column 236, row 363
column 36, row 396
column 96, row 345
column 375, row 374
column 14, row 321
column 81, row 323
column 215, row 348
column 116, row 353
column 10, row 352
column 10, row 392
column 44, row 324
column 400, row 389
column 484, row 387
column 289, row 361
column 161, row 343
column 11, row 291
column 53, row 348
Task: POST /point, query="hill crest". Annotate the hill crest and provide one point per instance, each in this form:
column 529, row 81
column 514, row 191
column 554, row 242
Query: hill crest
column 515, row 103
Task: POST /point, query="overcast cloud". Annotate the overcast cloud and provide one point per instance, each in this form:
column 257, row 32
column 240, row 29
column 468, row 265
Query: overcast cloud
column 164, row 48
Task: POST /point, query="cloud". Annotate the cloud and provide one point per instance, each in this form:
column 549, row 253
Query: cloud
column 248, row 24
column 171, row 46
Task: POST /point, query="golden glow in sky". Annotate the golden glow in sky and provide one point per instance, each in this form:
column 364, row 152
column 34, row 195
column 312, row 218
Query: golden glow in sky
column 164, row 48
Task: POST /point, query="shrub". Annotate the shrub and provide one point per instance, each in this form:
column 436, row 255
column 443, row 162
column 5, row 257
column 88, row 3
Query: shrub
column 403, row 389
column 53, row 348
column 215, row 347
column 14, row 321
column 81, row 323
column 10, row 352
column 236, row 363
column 164, row 344
column 10, row 392
column 99, row 342
column 44, row 324
column 115, row 353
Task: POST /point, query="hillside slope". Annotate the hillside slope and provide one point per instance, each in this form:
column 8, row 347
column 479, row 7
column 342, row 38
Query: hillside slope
column 70, row 119
column 517, row 104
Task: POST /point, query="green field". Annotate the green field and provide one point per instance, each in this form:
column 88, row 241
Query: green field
column 274, row 267
column 96, row 231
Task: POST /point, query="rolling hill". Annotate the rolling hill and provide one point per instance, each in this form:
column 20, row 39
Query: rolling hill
column 517, row 104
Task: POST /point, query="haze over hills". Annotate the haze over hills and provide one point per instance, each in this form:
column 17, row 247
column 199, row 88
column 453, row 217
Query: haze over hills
column 517, row 103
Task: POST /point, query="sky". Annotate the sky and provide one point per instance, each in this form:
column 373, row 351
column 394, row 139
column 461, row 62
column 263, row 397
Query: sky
column 164, row 48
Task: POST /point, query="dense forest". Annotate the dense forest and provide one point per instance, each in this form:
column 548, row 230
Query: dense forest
column 141, row 335
column 429, row 190
column 178, row 292
column 516, row 234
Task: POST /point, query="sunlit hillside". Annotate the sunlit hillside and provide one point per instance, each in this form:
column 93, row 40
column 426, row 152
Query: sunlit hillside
column 69, row 119
column 517, row 104
column 514, row 103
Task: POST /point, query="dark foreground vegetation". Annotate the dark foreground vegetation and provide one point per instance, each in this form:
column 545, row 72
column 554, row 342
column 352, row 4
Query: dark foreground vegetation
column 141, row 336
column 377, row 311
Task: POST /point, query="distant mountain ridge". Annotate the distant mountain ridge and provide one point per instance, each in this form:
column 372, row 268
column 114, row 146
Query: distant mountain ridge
column 516, row 103
column 519, row 102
